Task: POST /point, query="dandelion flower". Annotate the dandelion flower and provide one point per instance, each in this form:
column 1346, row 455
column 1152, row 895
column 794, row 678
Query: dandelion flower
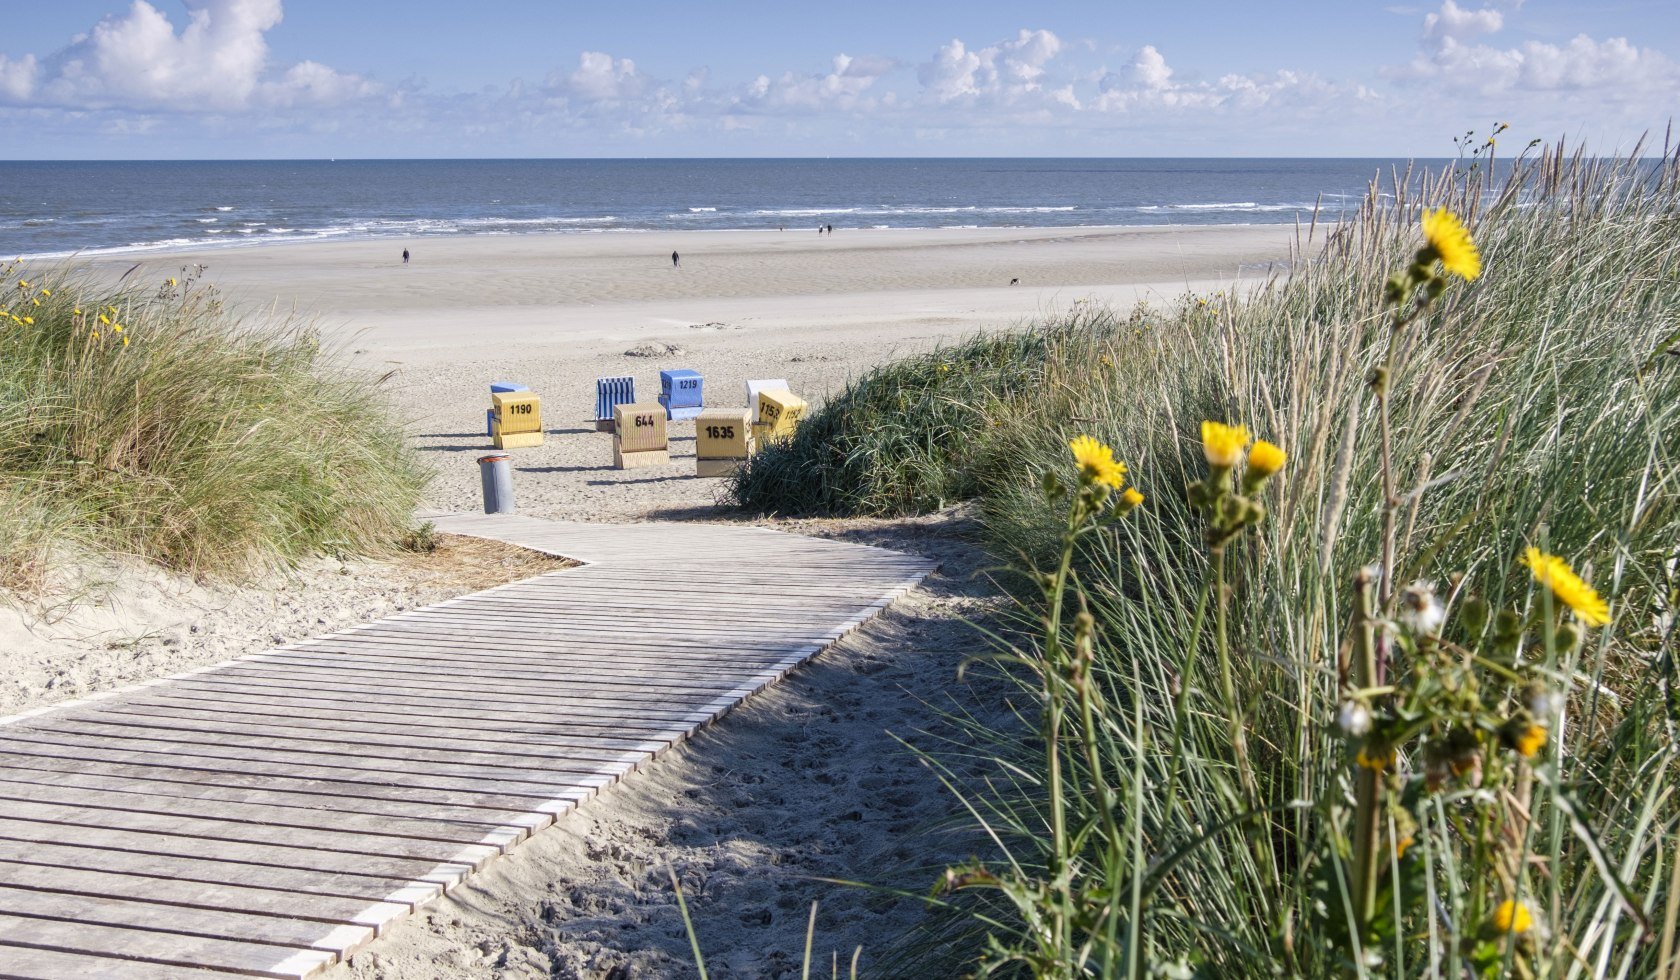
column 117, row 328
column 171, row 280
column 1530, row 741
column 1377, row 760
column 45, row 291
column 125, row 341
column 1513, row 916
column 1131, row 498
column 104, row 319
column 1266, row 458
column 29, row 320
column 1097, row 463
column 1555, row 574
column 1223, row 444
column 77, row 311
column 1450, row 243
column 23, row 283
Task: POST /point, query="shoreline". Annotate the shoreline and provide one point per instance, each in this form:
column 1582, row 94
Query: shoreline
column 253, row 241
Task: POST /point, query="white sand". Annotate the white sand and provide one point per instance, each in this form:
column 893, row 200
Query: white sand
column 801, row 783
column 557, row 311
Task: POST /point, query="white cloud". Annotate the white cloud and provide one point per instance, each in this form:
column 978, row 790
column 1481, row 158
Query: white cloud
column 310, row 83
column 217, row 61
column 1008, row 69
column 1149, row 70
column 17, row 77
column 1454, row 23
column 1612, row 66
column 601, row 78
column 845, row 88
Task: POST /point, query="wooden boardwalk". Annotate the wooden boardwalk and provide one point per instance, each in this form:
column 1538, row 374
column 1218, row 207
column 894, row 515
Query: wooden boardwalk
column 270, row 815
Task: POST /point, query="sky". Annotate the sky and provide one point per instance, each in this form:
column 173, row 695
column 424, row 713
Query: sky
column 289, row 79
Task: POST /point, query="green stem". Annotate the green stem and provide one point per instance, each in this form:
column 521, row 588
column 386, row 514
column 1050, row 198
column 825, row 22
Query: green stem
column 1227, row 684
column 1368, row 781
column 1186, row 679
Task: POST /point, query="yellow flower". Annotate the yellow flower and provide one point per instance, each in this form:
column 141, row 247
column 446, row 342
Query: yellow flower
column 29, row 320
column 1401, row 845
column 118, row 328
column 1451, row 243
column 94, row 335
column 1223, row 444
column 125, row 341
column 1555, row 574
column 45, row 291
column 1266, row 458
column 104, row 319
column 171, row 280
column 1513, row 917
column 1530, row 740
column 1097, row 463
column 23, row 283
column 1383, row 759
column 36, row 302
column 112, row 309
column 77, row 311
column 1131, row 498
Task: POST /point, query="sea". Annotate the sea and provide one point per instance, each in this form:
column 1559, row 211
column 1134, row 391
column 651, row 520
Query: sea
column 64, row 208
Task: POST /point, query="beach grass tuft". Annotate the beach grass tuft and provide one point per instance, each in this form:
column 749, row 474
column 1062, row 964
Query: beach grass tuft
column 147, row 421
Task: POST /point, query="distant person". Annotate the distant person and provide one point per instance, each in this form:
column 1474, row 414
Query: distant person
column 676, row 260
column 819, row 229
column 831, row 229
column 405, row 256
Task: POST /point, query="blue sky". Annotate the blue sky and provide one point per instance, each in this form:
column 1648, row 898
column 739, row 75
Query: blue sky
column 106, row 79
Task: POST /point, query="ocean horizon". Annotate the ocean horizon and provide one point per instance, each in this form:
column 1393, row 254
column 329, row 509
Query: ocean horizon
column 58, row 209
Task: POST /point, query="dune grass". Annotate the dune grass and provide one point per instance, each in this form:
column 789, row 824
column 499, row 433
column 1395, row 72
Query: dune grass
column 148, row 422
column 1183, row 801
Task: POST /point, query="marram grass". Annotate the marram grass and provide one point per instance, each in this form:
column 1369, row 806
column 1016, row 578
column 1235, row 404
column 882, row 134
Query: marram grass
column 1217, row 664
column 148, row 422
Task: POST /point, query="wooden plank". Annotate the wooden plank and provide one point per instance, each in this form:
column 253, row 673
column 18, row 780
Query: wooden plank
column 186, row 921
column 159, row 948
column 265, row 815
column 361, row 797
column 278, row 855
column 65, row 816
column 22, row 963
column 348, row 772
column 97, row 854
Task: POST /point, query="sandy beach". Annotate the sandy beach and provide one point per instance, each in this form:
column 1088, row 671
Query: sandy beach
column 805, row 783
column 557, row 311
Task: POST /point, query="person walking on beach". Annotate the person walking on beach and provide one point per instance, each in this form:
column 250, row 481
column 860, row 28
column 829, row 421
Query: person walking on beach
column 405, row 256
column 676, row 260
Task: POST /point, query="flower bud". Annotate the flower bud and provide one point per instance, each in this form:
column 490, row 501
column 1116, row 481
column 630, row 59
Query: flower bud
column 1474, row 615
column 1353, row 718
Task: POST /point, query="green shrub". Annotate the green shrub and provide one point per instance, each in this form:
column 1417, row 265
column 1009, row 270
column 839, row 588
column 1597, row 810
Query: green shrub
column 152, row 424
